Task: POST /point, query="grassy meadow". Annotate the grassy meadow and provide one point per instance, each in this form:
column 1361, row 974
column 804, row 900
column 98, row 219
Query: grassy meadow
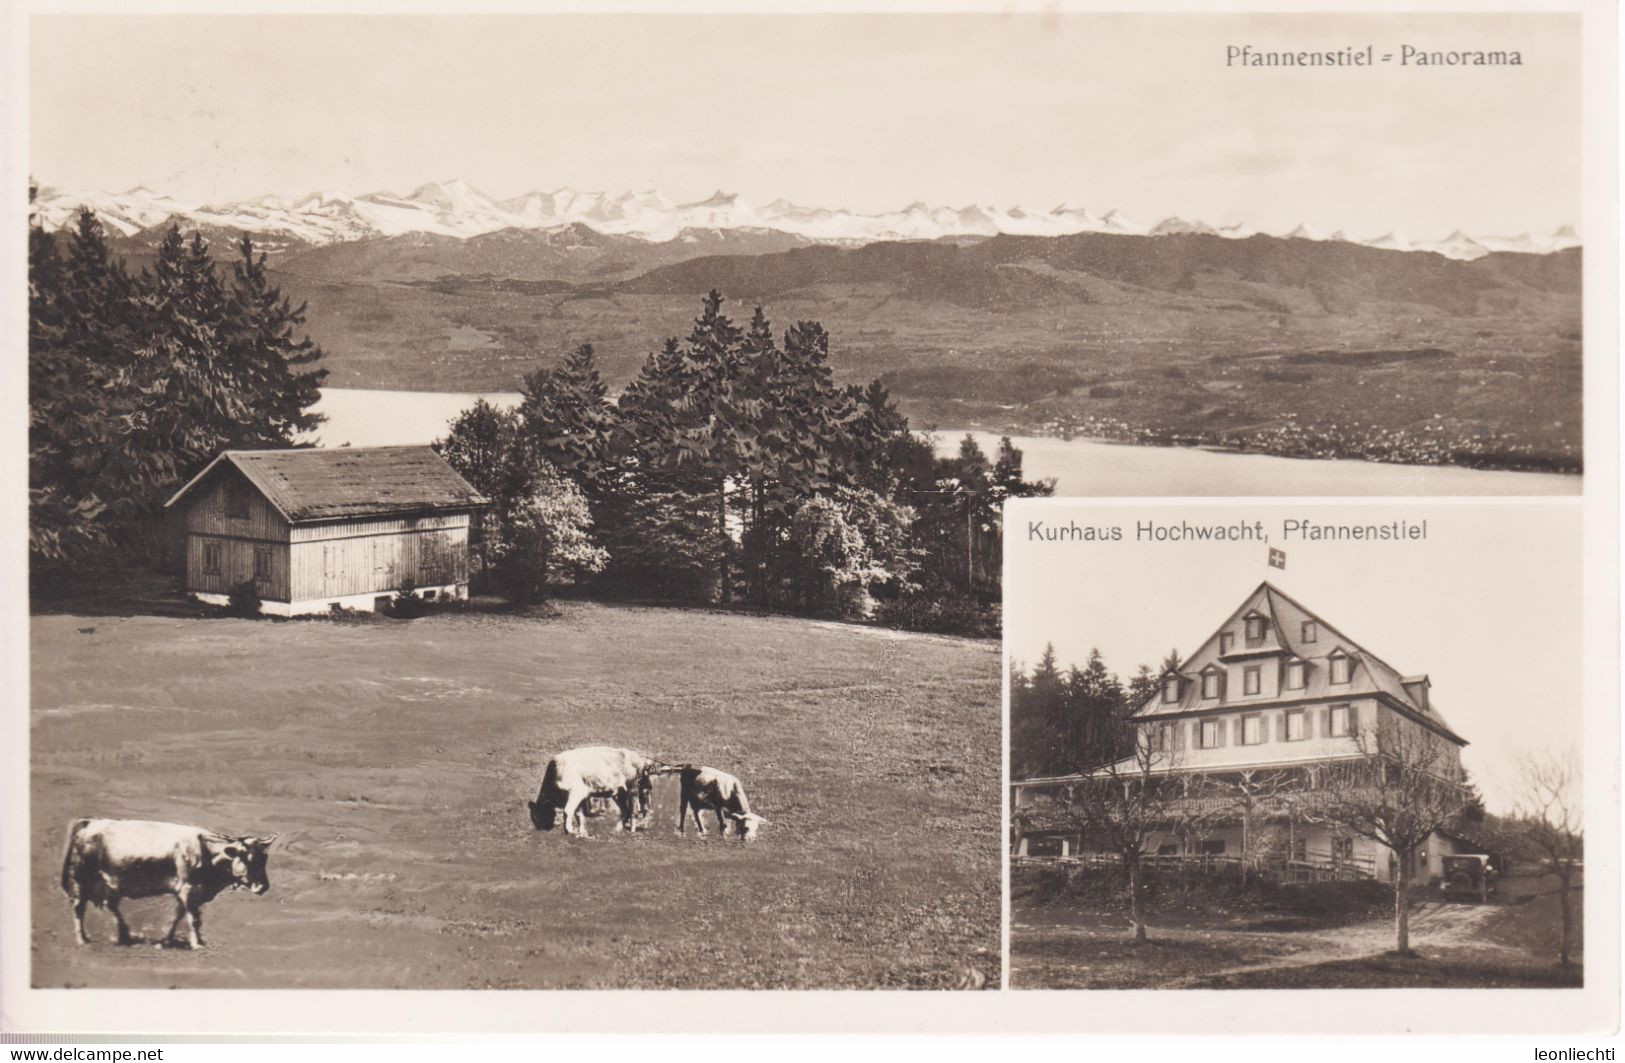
column 395, row 759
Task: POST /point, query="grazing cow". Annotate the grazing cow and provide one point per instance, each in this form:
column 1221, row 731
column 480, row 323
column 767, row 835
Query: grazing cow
column 708, row 788
column 574, row 776
column 110, row 859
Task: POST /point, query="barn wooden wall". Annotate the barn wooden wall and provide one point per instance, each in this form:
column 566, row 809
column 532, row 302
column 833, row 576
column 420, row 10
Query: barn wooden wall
column 206, row 511
column 206, row 520
column 362, row 557
column 236, row 566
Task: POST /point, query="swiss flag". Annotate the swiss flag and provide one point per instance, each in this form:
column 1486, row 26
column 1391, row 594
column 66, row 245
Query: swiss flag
column 1277, row 558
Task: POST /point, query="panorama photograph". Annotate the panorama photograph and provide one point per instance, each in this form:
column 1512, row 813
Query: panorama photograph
column 517, row 501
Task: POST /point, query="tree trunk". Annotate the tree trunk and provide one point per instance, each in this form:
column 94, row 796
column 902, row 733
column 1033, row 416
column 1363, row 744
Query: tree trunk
column 1246, row 835
column 970, row 552
column 1563, row 956
column 1133, row 862
column 1402, row 905
column 726, row 588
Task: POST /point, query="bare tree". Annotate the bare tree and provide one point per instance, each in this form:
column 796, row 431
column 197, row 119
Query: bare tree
column 1406, row 785
column 1549, row 817
column 1124, row 803
column 1251, row 796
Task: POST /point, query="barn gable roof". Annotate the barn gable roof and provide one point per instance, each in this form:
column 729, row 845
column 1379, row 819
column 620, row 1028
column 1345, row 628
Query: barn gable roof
column 334, row 483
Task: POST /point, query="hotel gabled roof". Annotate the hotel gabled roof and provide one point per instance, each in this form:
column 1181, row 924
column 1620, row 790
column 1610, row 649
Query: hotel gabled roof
column 1371, row 674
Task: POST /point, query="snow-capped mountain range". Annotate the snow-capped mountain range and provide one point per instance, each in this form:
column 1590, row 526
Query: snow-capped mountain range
column 457, row 209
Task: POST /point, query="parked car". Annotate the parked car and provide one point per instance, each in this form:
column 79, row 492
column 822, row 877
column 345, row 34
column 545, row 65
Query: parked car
column 1468, row 875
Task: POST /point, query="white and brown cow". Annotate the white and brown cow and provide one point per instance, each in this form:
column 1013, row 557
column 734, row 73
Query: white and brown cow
column 108, row 860
column 716, row 791
column 575, row 775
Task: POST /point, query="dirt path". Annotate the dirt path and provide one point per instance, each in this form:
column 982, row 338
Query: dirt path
column 1433, row 925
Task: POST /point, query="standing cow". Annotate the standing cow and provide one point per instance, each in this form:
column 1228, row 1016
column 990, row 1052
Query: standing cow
column 110, row 859
column 719, row 792
column 575, row 775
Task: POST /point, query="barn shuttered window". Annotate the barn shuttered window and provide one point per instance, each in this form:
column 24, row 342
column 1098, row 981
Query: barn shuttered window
column 211, row 559
column 434, row 559
column 262, row 562
column 236, row 501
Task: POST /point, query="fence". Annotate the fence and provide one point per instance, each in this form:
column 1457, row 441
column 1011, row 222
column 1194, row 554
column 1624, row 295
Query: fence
column 1312, row 866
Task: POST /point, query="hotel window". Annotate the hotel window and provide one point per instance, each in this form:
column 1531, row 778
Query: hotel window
column 1339, row 667
column 1210, row 734
column 211, row 559
column 1255, row 628
column 1162, row 738
column 1252, row 730
column 1294, row 726
column 1295, row 672
column 1340, row 721
column 1213, row 685
column 1170, row 689
column 1252, row 679
column 1213, row 846
column 1226, row 640
column 1311, row 631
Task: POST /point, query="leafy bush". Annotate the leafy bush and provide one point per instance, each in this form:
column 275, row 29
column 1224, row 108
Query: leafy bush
column 940, row 616
column 244, row 599
column 407, row 603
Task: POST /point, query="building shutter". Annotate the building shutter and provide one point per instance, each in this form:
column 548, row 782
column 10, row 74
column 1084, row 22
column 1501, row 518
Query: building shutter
column 1280, row 728
column 1223, row 729
column 1179, row 737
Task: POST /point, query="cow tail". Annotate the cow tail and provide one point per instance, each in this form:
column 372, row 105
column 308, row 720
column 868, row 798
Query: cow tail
column 67, row 854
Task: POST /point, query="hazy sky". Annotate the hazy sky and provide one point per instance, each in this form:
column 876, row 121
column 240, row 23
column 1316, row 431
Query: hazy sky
column 869, row 112
column 1489, row 607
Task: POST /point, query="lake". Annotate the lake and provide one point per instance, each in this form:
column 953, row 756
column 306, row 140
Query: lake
column 1087, row 467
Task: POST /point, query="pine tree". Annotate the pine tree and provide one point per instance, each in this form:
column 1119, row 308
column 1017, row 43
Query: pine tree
column 569, row 418
column 259, row 339
column 136, row 382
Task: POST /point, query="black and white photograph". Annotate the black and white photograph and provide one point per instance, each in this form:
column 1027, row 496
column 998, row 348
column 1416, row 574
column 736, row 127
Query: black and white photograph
column 538, row 497
column 1267, row 747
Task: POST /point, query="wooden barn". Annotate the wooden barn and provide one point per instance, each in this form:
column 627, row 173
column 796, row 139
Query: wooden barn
column 318, row 529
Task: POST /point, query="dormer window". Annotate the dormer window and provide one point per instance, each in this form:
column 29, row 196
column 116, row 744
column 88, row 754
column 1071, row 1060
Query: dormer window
column 1256, row 626
column 1339, row 667
column 1212, row 685
column 1311, row 631
column 1226, row 640
column 1296, row 674
column 1170, row 690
